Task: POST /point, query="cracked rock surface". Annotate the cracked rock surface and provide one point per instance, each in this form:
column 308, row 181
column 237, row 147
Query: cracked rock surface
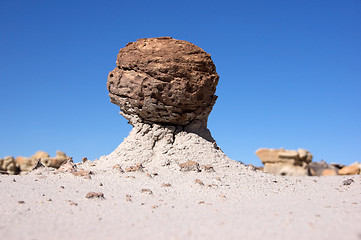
column 163, row 80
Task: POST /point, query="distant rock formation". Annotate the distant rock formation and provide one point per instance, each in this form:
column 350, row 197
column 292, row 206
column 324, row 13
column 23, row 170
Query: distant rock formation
column 20, row 164
column 352, row 169
column 324, row 169
column 285, row 162
column 8, row 165
column 163, row 80
column 299, row 163
column 54, row 162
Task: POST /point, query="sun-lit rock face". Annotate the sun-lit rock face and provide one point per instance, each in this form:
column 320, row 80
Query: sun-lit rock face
column 163, row 80
column 285, row 162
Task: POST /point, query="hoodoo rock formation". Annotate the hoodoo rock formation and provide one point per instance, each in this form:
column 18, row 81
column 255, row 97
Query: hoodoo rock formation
column 166, row 89
column 163, row 80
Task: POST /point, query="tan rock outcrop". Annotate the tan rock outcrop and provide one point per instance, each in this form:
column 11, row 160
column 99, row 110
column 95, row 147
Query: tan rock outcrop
column 329, row 172
column 353, row 169
column 268, row 155
column 324, row 169
column 318, row 169
column 26, row 164
column 285, row 162
column 54, row 162
column 163, row 80
column 8, row 165
column 40, row 155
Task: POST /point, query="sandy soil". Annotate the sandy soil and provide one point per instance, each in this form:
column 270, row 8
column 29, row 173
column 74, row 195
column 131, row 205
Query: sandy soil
column 233, row 202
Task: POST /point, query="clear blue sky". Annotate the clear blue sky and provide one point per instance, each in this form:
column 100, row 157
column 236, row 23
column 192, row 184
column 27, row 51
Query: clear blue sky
column 290, row 73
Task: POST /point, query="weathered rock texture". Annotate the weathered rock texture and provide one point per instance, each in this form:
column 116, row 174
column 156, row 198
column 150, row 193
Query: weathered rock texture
column 179, row 148
column 285, row 162
column 163, row 80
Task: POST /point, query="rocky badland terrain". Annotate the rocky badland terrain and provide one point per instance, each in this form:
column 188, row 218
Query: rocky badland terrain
column 168, row 179
column 299, row 163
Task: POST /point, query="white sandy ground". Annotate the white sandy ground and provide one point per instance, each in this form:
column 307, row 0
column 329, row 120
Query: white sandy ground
column 234, row 202
column 243, row 205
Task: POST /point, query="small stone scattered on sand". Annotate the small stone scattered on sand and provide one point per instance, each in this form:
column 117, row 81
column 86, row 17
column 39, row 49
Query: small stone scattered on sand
column 99, row 195
column 146, row 190
column 137, row 168
column 189, row 166
column 72, row 203
column 83, row 173
column 208, row 168
column 118, row 168
column 128, row 198
column 348, row 181
column 199, row 182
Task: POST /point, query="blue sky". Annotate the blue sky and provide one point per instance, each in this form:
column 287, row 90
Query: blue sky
column 290, row 73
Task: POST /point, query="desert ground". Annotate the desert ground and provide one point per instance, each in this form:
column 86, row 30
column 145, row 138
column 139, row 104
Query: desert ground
column 231, row 202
